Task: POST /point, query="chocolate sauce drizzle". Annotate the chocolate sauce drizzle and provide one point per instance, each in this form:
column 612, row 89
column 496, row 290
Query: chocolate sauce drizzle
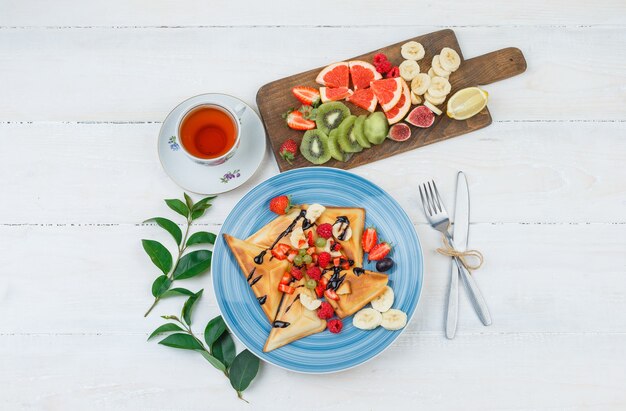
column 305, row 224
column 280, row 324
column 262, row 299
column 358, row 271
column 252, row 281
column 343, row 220
column 335, row 280
column 294, row 300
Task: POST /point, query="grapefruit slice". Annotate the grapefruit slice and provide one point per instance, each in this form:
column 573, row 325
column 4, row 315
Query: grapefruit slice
column 398, row 112
column 388, row 91
column 364, row 98
column 334, row 93
column 335, row 75
column 362, row 73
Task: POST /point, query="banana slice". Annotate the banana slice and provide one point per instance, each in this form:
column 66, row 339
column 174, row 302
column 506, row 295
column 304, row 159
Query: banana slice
column 432, row 107
column 415, row 99
column 309, row 302
column 439, row 87
column 393, row 320
column 435, row 100
column 297, row 238
column 314, row 211
column 412, row 51
column 338, row 230
column 383, row 302
column 449, row 59
column 431, row 73
column 409, row 69
column 440, row 71
column 420, row 84
column 367, row 319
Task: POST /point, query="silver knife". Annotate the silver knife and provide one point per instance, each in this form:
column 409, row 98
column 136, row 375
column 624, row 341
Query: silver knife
column 460, row 233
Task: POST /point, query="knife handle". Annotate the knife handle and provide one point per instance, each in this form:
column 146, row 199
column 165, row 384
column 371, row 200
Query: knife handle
column 476, row 297
column 452, row 314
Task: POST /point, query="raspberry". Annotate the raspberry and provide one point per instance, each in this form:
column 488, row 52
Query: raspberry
column 324, row 259
column 383, row 67
column 336, row 247
column 394, row 72
column 314, row 273
column 325, row 230
column 335, row 325
column 296, row 273
column 379, row 58
column 325, row 311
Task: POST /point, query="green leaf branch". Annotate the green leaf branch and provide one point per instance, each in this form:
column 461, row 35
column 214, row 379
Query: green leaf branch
column 218, row 347
column 186, row 265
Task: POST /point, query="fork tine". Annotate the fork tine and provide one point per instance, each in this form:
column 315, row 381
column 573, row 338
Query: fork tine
column 438, row 196
column 424, row 202
column 432, row 198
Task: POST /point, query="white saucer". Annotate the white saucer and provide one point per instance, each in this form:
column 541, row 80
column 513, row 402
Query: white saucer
column 203, row 179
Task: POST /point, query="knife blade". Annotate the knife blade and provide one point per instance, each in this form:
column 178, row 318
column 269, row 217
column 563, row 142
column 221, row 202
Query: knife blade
column 460, row 234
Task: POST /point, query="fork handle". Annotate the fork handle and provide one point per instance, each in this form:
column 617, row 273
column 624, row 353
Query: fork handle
column 476, row 297
column 452, row 313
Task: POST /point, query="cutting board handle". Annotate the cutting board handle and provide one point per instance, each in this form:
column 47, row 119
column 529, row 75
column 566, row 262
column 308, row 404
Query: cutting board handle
column 495, row 66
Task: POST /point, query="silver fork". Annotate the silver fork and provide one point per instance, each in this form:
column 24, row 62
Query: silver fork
column 438, row 218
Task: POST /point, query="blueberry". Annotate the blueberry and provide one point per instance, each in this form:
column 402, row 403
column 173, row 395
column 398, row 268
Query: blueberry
column 384, row 265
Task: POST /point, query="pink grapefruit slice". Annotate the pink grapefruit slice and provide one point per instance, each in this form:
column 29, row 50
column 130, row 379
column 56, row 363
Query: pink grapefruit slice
column 364, row 98
column 335, row 75
column 388, row 91
column 398, row 112
column 362, row 74
column 334, row 93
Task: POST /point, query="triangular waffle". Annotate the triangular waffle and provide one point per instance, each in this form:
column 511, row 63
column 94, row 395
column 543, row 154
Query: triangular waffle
column 363, row 289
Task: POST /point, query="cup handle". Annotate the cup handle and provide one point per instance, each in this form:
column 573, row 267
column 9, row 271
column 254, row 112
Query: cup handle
column 240, row 110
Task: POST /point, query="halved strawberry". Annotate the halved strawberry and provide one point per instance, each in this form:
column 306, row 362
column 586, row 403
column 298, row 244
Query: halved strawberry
column 307, row 95
column 337, row 261
column 331, row 294
column 297, row 121
column 291, row 255
column 369, row 240
column 286, row 279
column 280, row 251
column 379, row 251
column 310, row 250
column 286, row 289
column 310, row 239
column 319, row 290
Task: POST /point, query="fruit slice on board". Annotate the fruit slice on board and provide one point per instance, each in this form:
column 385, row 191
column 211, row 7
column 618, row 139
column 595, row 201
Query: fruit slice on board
column 330, row 115
column 376, row 127
column 398, row 112
column 467, row 103
column 421, row 116
column 334, row 93
column 314, row 147
column 388, row 91
column 333, row 146
column 335, row 75
column 346, row 137
column 399, row 132
column 364, row 98
column 359, row 133
column 362, row 74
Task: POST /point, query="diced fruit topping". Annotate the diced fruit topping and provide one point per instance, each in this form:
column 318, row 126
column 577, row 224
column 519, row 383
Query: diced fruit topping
column 369, row 239
column 325, row 230
column 280, row 205
column 297, row 121
column 337, row 261
column 286, row 279
column 280, row 251
column 323, row 259
column 320, row 242
column 296, row 273
column 310, row 239
column 291, row 255
column 385, row 264
column 334, row 75
column 287, row 289
column 325, row 311
column 379, row 251
column 307, row 259
column 310, row 284
column 314, row 273
column 297, row 260
column 335, row 325
column 331, row 294
column 306, row 95
column 319, row 290
column 336, row 247
column 288, row 150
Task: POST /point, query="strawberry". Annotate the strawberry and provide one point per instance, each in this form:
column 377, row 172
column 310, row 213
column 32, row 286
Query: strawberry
column 298, row 120
column 292, row 255
column 288, row 150
column 307, row 95
column 296, row 273
column 369, row 240
column 331, row 294
column 280, row 251
column 280, row 205
column 286, row 288
column 310, row 239
column 379, row 251
column 286, row 279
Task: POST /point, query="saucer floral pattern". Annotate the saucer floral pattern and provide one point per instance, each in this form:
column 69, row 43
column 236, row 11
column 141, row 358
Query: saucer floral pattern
column 231, row 175
column 173, row 144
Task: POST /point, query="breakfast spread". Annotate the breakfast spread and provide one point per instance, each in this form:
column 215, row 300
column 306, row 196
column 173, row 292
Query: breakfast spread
column 305, row 269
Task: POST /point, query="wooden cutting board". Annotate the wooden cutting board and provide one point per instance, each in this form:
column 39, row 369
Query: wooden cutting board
column 275, row 98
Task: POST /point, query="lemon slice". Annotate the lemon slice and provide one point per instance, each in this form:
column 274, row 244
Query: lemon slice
column 467, row 103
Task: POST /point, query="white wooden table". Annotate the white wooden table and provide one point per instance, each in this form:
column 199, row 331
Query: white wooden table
column 84, row 87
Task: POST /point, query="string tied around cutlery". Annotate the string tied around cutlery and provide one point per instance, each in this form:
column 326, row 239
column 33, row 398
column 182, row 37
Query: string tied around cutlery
column 447, row 250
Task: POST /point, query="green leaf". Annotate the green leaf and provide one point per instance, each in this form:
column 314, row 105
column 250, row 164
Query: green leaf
column 214, row 330
column 183, row 341
column 214, row 361
column 189, row 201
column 160, row 285
column 169, row 226
column 192, row 264
column 159, row 255
column 201, row 237
column 243, row 370
column 188, row 307
column 204, row 203
column 177, row 291
column 165, row 328
column 224, row 349
column 178, row 206
column 199, row 212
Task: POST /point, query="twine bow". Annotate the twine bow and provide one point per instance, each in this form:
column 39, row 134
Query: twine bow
column 447, row 250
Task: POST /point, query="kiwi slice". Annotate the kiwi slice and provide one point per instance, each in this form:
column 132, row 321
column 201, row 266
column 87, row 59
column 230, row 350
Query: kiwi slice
column 314, row 146
column 330, row 115
column 347, row 140
column 358, row 132
column 333, row 146
column 376, row 127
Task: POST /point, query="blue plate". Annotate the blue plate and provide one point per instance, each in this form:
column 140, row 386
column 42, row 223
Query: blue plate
column 323, row 352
